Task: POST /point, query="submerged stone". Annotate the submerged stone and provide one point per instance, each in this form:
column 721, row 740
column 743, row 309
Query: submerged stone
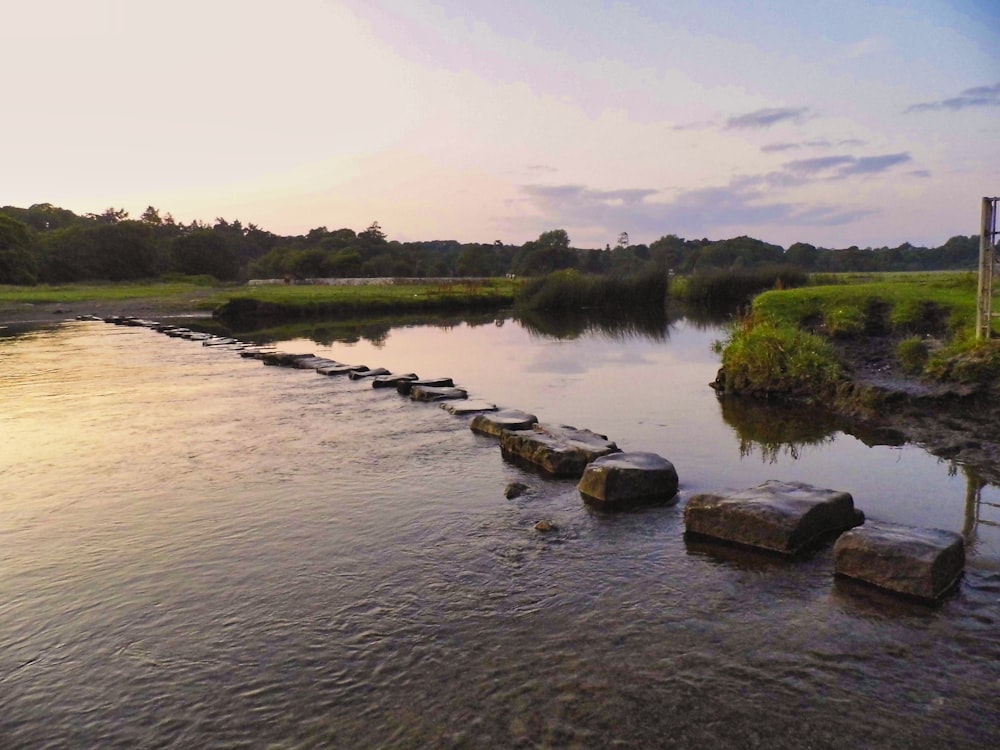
column 624, row 480
column 404, row 387
column 560, row 450
column 505, row 419
column 923, row 563
column 778, row 516
column 431, row 393
column 515, row 489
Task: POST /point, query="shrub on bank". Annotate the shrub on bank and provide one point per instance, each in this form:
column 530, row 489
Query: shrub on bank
column 718, row 289
column 762, row 358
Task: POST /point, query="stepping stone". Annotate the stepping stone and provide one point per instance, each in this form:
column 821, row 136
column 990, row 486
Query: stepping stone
column 176, row 332
column 196, row 336
column 432, row 393
column 391, row 381
column 312, row 363
column 220, row 341
column 923, row 563
column 559, row 450
column 626, row 480
column 339, row 369
column 469, row 406
column 505, row 419
column 782, row 517
column 404, row 388
column 282, row 359
column 358, row 374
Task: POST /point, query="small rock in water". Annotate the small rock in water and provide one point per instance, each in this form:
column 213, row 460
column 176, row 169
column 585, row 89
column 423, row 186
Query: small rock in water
column 545, row 526
column 515, row 489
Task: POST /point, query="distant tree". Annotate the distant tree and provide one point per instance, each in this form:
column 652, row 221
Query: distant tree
column 204, row 251
column 110, row 215
column 550, row 252
column 373, row 235
column 18, row 260
column 802, row 254
column 151, row 216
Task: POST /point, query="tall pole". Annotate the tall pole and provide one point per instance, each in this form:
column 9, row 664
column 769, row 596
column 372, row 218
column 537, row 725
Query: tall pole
column 984, row 311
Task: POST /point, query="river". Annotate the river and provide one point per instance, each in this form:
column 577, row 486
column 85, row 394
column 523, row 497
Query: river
column 200, row 551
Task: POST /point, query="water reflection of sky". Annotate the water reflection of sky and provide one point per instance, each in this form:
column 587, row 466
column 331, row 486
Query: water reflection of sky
column 652, row 393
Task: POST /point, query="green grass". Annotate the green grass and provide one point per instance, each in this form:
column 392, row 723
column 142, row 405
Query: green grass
column 570, row 290
column 901, row 302
column 166, row 291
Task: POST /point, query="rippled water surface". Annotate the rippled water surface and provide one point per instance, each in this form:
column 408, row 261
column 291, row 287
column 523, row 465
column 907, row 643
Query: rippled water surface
column 200, row 551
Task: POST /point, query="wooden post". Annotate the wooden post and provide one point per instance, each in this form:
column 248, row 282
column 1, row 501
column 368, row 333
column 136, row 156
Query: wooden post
column 984, row 305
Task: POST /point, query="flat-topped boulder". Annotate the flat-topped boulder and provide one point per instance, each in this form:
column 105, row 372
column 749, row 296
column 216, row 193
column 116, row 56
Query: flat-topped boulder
column 560, row 450
column 469, row 406
column 282, row 359
column 923, row 563
column 221, row 341
column 432, row 393
column 624, row 480
column 782, row 517
column 404, row 387
column 391, row 381
column 504, row 419
column 341, row 369
column 366, row 373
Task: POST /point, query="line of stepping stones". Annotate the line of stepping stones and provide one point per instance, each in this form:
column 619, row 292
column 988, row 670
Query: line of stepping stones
column 787, row 518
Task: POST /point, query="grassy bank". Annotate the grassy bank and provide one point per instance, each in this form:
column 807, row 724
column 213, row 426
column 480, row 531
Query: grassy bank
column 792, row 343
column 570, row 291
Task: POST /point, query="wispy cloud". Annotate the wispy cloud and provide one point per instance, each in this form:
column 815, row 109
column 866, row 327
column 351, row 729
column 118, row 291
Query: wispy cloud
column 765, row 118
column 979, row 96
column 839, row 167
column 541, row 168
column 815, row 143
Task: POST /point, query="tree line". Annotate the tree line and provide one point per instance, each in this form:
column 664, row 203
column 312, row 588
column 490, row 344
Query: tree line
column 47, row 244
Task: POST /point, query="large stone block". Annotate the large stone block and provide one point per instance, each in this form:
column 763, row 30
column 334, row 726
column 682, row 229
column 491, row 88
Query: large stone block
column 462, row 408
column 560, row 450
column 505, row 419
column 923, row 563
column 625, row 480
column 779, row 516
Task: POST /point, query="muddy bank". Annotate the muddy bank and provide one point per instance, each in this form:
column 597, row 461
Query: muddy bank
column 54, row 312
column 883, row 403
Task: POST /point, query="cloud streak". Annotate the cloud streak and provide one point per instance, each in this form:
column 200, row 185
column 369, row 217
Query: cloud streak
column 978, row 96
column 765, row 118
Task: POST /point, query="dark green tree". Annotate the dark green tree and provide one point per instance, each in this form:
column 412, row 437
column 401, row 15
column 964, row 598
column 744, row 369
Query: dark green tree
column 19, row 260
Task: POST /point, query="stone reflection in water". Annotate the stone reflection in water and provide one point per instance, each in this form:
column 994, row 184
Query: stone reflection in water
column 777, row 429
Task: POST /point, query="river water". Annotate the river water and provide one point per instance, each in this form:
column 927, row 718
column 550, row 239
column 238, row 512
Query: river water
column 200, row 551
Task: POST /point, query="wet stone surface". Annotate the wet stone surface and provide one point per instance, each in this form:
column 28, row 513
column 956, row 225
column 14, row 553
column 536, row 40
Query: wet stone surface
column 505, row 419
column 559, row 450
column 923, row 563
column 783, row 517
column 626, row 480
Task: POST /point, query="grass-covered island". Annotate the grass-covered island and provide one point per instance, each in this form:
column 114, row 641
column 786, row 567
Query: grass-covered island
column 896, row 351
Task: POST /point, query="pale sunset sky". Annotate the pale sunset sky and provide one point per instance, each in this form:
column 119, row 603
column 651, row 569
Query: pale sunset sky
column 856, row 122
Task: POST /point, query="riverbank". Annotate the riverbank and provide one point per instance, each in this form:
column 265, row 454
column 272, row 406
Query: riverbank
column 894, row 355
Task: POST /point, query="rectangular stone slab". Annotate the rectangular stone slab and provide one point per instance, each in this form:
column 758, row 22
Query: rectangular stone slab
column 470, row 406
column 923, row 563
column 560, row 450
column 778, row 516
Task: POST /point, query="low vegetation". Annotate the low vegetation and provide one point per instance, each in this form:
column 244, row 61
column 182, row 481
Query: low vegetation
column 292, row 302
column 789, row 343
column 566, row 291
